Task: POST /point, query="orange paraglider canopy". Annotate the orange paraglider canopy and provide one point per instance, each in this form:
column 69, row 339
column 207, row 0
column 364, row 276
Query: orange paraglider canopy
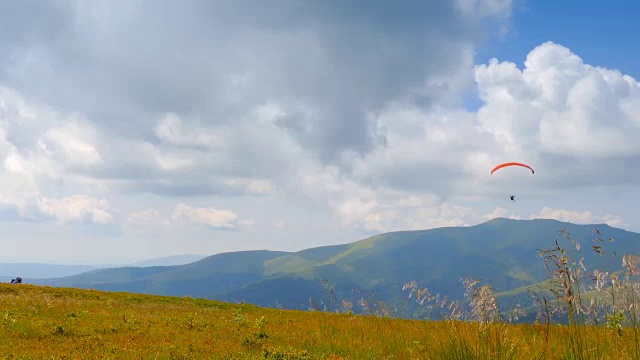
column 512, row 164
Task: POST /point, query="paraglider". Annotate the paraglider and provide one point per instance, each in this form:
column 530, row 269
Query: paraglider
column 512, row 164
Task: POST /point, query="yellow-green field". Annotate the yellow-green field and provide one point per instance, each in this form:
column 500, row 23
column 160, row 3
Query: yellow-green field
column 55, row 323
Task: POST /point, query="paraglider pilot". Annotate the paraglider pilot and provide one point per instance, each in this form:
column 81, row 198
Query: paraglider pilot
column 513, row 198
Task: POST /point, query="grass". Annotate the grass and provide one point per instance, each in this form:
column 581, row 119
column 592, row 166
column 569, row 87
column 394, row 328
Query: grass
column 601, row 322
column 583, row 300
column 62, row 323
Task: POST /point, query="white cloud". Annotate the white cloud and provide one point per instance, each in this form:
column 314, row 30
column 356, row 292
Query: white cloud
column 42, row 149
column 210, row 217
column 585, row 217
column 273, row 120
column 77, row 208
column 72, row 142
column 365, row 214
column 497, row 213
column 72, row 209
column 566, row 118
column 613, row 220
column 559, row 105
column 441, row 216
column 15, row 172
column 382, row 209
column 375, row 191
column 564, row 215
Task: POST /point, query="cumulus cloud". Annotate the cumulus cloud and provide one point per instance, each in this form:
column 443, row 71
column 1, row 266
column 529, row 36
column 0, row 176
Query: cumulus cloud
column 42, row 148
column 362, row 191
column 210, row 217
column 377, row 209
column 585, row 217
column 383, row 208
column 566, row 117
column 256, row 96
column 288, row 62
column 564, row 215
column 73, row 142
column 613, row 220
column 67, row 210
column 331, row 108
column 77, row 208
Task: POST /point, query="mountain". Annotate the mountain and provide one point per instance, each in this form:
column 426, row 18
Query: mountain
column 204, row 278
column 40, row 270
column 169, row 260
column 9, row 271
column 502, row 252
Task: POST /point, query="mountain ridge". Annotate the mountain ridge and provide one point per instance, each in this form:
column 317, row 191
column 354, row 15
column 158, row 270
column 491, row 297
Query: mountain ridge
column 501, row 251
column 43, row 270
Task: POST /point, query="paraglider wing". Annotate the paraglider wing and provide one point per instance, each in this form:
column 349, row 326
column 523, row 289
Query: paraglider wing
column 512, row 164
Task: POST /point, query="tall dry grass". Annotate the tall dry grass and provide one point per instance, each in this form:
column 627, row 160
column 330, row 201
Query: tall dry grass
column 575, row 299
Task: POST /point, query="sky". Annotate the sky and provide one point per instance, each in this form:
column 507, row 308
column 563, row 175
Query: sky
column 141, row 129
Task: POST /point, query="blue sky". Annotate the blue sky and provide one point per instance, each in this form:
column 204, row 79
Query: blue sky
column 601, row 32
column 209, row 126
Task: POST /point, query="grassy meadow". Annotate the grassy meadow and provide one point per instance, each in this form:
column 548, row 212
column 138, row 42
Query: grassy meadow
column 599, row 311
column 59, row 323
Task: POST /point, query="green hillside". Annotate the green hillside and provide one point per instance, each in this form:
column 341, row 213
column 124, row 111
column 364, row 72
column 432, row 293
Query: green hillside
column 502, row 252
column 205, row 278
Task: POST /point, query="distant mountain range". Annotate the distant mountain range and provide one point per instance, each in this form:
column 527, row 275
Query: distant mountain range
column 169, row 260
column 9, row 271
column 502, row 252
